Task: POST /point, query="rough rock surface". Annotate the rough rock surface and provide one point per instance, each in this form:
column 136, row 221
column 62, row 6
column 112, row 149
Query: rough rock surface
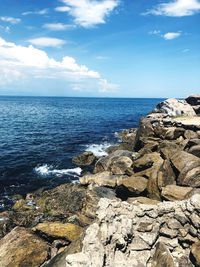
column 174, row 107
column 84, row 159
column 21, row 248
column 58, row 230
column 141, row 235
column 194, row 101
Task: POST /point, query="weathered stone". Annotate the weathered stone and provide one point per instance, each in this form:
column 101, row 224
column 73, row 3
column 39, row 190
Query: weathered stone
column 58, row 230
column 190, row 134
column 174, row 192
column 195, row 251
column 188, row 167
column 124, row 231
column 121, row 165
column 119, row 161
column 135, row 184
column 128, row 136
column 84, row 159
column 193, row 100
column 162, row 257
column 22, row 248
column 142, row 200
column 195, row 150
column 105, row 178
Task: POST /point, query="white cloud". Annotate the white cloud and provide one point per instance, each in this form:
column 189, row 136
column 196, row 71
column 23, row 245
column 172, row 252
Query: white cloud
column 62, row 9
column 37, row 12
column 88, row 13
column 166, row 36
column 171, row 35
column 20, row 63
column 47, row 42
column 107, row 87
column 10, row 20
column 176, row 8
column 58, row 26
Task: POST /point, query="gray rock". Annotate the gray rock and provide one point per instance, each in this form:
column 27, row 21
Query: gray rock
column 174, row 107
column 126, row 235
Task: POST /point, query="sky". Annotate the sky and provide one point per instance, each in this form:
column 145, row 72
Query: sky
column 100, row 48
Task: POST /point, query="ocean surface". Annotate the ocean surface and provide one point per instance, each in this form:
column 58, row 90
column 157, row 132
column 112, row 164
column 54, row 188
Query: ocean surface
column 40, row 135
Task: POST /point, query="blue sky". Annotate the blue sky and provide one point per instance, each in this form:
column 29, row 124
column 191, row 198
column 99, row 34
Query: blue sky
column 114, row 48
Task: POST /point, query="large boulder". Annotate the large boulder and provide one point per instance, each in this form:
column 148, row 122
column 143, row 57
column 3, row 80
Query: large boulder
column 194, row 101
column 105, row 178
column 22, row 248
column 174, row 192
column 57, row 230
column 173, row 107
column 118, row 162
column 84, row 159
column 187, row 167
column 134, row 184
column 195, row 251
column 149, row 166
column 162, row 256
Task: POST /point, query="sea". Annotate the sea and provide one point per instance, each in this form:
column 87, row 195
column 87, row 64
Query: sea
column 40, row 135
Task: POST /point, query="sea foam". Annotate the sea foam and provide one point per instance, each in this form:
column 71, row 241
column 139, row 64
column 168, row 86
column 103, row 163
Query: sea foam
column 99, row 150
column 47, row 170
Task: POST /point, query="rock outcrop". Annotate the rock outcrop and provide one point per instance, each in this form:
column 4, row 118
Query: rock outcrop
column 22, row 248
column 173, row 107
column 194, row 101
column 146, row 190
column 166, row 234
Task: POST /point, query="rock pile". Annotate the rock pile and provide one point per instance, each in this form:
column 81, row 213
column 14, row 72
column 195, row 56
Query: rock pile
column 148, row 214
column 166, row 234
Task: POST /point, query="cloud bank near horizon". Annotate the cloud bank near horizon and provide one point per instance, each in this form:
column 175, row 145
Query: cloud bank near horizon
column 24, row 63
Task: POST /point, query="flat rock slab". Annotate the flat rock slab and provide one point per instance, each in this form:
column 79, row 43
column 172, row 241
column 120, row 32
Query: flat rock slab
column 67, row 231
column 21, row 248
column 188, row 120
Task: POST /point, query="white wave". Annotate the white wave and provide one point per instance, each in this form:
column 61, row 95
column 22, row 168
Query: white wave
column 99, row 150
column 46, row 170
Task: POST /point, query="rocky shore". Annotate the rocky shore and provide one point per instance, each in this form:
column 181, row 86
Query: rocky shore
column 137, row 206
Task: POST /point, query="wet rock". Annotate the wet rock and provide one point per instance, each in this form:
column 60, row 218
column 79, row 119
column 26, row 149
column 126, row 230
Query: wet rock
column 174, row 107
column 128, row 136
column 174, row 192
column 22, row 248
column 84, row 159
column 6, row 223
column 62, row 201
column 58, row 230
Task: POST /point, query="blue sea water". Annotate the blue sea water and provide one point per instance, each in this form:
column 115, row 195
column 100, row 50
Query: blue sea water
column 40, row 135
